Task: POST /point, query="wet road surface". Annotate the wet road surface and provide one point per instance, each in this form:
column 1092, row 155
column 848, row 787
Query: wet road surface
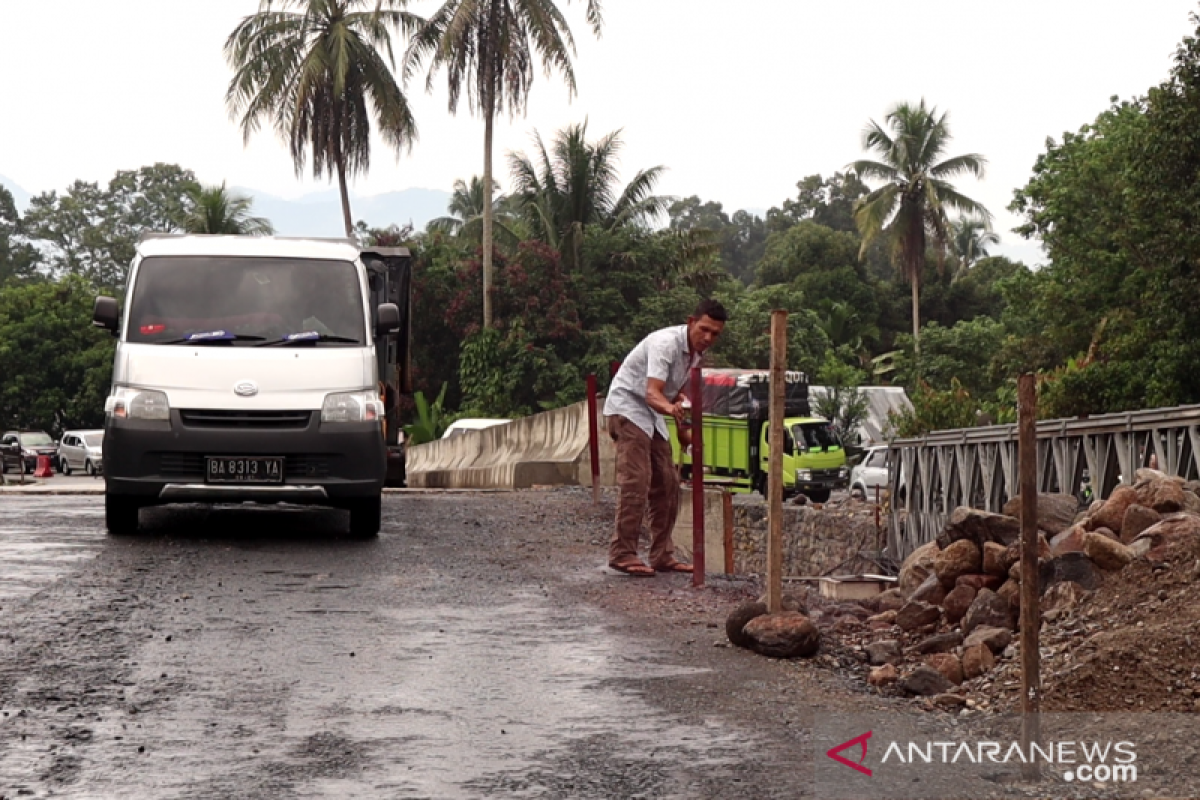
column 262, row 653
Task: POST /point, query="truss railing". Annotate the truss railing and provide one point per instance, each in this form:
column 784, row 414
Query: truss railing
column 932, row 475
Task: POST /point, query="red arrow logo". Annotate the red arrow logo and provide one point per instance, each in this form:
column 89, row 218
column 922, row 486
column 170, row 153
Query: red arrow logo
column 834, row 752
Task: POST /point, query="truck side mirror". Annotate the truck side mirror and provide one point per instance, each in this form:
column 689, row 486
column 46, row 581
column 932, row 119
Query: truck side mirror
column 387, row 319
column 105, row 314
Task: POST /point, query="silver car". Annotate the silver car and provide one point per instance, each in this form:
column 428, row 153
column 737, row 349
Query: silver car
column 871, row 473
column 81, row 450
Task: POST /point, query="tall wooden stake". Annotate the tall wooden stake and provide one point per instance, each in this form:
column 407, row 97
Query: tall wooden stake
column 593, row 437
column 1031, row 681
column 696, row 394
column 775, row 463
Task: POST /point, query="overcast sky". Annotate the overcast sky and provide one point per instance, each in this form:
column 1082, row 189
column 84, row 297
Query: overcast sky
column 739, row 100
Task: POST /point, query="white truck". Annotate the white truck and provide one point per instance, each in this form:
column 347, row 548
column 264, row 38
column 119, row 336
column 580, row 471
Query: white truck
column 248, row 369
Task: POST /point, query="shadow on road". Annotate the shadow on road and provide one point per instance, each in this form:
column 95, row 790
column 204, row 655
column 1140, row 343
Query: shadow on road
column 251, row 524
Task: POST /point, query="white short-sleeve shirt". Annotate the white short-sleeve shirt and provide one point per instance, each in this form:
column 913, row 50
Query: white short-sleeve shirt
column 662, row 355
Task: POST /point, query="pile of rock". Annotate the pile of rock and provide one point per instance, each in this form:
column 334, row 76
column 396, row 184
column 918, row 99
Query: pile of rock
column 788, row 634
column 952, row 618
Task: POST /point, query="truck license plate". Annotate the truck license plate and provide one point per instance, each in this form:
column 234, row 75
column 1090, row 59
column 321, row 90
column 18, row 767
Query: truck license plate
column 243, row 469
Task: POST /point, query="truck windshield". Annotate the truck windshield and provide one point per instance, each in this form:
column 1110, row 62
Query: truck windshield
column 242, row 301
column 815, row 436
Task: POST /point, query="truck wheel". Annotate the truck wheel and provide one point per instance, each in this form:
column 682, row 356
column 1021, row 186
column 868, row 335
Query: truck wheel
column 365, row 517
column 819, row 495
column 760, row 484
column 121, row 514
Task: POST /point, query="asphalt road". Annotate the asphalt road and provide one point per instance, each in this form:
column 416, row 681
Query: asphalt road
column 260, row 653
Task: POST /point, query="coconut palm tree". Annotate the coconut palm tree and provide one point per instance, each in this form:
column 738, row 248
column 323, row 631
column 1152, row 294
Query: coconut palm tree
column 490, row 48
column 971, row 236
column 466, row 214
column 319, row 71
column 574, row 183
column 909, row 211
column 213, row 209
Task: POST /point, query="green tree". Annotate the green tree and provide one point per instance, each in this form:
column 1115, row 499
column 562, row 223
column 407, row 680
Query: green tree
column 318, row 71
column 490, row 48
column 214, row 209
column 971, row 238
column 829, row 202
column 56, row 366
column 574, row 184
column 18, row 259
column 909, row 211
column 841, row 402
column 466, row 214
column 746, row 341
column 92, row 232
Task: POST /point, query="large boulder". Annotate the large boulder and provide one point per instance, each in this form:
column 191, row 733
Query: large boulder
column 785, row 635
column 979, row 527
column 994, row 562
column 947, row 664
column 926, row 681
column 1075, row 567
column 988, row 609
column 917, row 567
column 1055, row 512
column 1013, row 553
column 1175, row 533
column 735, row 623
column 917, row 615
column 891, row 600
column 957, row 602
column 962, row 557
column 1112, row 513
column 979, row 581
column 1069, row 540
column 1163, row 493
column 1106, row 553
column 939, row 643
column 1137, row 519
column 1010, row 593
column 930, row 591
column 977, row 660
column 996, row 639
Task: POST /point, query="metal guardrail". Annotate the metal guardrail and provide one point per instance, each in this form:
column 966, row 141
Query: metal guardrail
column 10, row 461
column 932, row 475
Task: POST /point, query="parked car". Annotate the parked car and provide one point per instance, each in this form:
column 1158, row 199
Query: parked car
column 871, row 472
column 29, row 445
column 461, row 426
column 82, row 450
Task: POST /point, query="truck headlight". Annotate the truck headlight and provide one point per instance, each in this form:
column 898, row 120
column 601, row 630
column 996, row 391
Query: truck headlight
column 127, row 402
column 352, row 407
column 804, row 474
column 843, row 473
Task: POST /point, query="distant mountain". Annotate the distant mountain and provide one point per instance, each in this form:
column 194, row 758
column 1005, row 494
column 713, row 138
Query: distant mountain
column 320, row 213
column 20, row 196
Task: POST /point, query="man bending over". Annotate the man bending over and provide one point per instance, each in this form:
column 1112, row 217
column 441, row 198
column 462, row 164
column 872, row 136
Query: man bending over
column 648, row 385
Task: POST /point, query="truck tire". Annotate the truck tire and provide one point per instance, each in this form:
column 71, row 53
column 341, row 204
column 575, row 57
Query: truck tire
column 366, row 517
column 121, row 514
column 819, row 495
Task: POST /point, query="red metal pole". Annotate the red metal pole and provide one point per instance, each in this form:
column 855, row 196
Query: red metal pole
column 697, row 398
column 593, row 438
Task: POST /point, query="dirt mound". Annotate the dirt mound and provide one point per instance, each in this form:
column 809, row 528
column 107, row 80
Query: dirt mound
column 1132, row 644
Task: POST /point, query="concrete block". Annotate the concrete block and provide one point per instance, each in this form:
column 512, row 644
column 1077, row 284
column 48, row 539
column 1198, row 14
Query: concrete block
column 714, row 529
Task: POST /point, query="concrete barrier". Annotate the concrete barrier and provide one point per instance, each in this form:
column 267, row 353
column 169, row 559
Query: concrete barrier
column 547, row 449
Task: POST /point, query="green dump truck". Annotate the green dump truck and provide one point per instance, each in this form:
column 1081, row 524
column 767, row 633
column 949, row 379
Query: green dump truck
column 736, row 453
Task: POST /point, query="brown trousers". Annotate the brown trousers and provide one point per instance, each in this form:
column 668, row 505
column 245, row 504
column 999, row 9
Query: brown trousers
column 647, row 481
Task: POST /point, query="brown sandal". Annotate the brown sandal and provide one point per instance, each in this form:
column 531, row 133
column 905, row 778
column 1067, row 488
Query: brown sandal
column 634, row 568
column 674, row 566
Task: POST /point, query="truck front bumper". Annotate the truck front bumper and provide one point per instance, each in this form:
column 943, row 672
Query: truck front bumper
column 166, row 461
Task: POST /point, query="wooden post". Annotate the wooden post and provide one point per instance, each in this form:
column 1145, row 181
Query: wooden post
column 593, row 438
column 775, row 463
column 1031, row 682
column 697, row 398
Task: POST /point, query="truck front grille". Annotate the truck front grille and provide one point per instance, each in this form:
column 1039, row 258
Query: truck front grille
column 222, row 418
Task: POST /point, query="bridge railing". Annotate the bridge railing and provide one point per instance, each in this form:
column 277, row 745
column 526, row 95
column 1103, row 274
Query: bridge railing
column 932, row 475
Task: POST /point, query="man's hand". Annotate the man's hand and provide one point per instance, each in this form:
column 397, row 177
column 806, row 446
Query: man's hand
column 685, row 437
column 680, row 414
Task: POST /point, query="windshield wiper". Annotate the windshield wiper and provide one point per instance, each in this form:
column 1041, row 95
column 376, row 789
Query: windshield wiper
column 213, row 337
column 307, row 337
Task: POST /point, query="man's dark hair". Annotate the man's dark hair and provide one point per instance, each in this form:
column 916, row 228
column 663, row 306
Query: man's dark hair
column 712, row 309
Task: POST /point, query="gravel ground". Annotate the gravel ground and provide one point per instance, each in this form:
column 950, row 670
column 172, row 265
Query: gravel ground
column 478, row 648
